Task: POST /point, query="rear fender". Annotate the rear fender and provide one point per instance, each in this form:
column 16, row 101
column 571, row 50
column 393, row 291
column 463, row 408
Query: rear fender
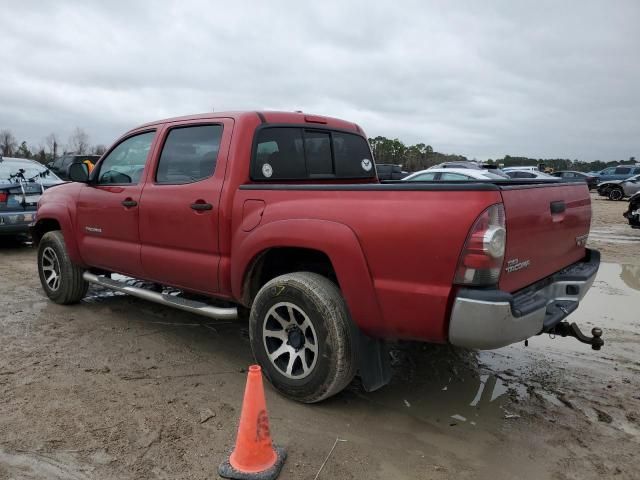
column 336, row 240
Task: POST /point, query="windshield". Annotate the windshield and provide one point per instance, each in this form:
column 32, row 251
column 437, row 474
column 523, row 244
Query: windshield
column 9, row 169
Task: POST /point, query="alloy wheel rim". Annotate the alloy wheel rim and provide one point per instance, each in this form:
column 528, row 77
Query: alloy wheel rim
column 51, row 268
column 616, row 194
column 290, row 340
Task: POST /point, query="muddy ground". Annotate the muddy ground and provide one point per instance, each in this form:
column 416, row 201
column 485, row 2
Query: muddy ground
column 117, row 388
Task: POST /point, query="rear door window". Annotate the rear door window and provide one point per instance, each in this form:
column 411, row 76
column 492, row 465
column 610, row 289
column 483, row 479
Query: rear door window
column 623, row 171
column 292, row 153
column 189, row 154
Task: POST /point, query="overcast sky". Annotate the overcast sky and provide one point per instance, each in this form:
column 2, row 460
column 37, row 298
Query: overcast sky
column 483, row 79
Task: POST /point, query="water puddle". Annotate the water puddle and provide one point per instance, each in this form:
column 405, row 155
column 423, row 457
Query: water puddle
column 456, row 387
column 619, row 234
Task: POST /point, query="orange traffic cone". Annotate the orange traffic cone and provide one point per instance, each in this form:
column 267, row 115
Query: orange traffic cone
column 254, row 456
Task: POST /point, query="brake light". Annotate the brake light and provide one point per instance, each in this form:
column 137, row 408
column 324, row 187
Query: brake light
column 3, row 197
column 481, row 259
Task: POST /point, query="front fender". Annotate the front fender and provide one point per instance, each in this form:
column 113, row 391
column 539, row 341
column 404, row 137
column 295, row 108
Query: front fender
column 336, row 240
column 60, row 213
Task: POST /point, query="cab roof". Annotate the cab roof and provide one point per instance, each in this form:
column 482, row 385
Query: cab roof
column 265, row 117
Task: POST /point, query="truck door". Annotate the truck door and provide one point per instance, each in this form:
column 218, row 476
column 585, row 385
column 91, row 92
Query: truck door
column 107, row 210
column 180, row 207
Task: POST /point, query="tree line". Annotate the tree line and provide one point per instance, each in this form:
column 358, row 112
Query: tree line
column 385, row 150
column 420, row 156
column 50, row 147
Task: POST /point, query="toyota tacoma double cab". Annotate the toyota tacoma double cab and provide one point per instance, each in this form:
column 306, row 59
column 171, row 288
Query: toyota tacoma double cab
column 279, row 219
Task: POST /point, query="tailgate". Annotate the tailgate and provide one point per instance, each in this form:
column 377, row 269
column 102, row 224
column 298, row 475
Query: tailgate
column 547, row 227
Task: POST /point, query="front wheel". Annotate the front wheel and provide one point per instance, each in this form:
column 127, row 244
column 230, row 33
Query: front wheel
column 302, row 336
column 61, row 280
column 616, row 194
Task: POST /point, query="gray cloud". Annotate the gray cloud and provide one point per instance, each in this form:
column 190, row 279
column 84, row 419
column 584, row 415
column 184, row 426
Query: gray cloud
column 545, row 79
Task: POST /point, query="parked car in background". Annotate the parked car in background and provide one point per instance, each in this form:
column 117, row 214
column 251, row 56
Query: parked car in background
column 530, row 168
column 451, row 174
column 633, row 212
column 60, row 166
column 472, row 166
column 389, row 171
column 619, row 189
column 621, row 172
column 22, row 182
column 573, row 176
column 531, row 175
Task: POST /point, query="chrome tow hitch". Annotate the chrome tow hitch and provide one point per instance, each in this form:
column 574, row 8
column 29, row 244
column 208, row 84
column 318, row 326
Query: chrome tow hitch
column 564, row 329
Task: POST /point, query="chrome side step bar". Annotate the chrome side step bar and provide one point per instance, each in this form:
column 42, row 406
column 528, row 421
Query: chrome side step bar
column 192, row 306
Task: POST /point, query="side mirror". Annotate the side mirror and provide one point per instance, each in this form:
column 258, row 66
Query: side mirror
column 78, row 172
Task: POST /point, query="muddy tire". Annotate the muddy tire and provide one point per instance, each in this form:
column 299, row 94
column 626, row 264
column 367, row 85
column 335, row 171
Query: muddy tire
column 302, row 336
column 61, row 280
column 616, row 194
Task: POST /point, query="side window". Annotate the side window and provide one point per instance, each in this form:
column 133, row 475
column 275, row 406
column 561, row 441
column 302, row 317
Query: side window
column 125, row 163
column 425, row 177
column 453, row 176
column 189, row 154
column 608, row 171
column 569, row 175
column 636, row 170
column 623, row 171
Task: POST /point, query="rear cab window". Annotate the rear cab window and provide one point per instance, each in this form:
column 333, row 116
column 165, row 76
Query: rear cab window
column 301, row 153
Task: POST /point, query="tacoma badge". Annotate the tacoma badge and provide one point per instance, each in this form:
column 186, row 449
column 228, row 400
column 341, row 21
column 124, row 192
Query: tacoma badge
column 515, row 265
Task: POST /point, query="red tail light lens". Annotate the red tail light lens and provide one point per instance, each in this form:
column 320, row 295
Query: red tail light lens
column 481, row 260
column 3, row 197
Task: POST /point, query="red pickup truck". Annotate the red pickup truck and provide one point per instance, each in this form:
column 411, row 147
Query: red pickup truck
column 279, row 218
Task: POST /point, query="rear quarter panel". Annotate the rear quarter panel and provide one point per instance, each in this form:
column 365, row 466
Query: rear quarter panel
column 409, row 242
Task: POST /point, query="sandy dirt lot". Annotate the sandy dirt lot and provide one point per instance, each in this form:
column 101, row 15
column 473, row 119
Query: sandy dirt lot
column 117, row 388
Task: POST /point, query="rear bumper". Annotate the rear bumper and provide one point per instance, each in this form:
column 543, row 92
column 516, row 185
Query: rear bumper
column 13, row 223
column 487, row 319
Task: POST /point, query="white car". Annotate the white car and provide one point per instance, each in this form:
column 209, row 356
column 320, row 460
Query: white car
column 451, row 174
column 521, row 169
column 530, row 175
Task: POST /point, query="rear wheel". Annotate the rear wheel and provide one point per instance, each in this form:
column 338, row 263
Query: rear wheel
column 61, row 280
column 302, row 336
column 616, row 194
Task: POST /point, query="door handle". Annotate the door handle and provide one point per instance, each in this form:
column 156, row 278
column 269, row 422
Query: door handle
column 128, row 203
column 557, row 207
column 201, row 206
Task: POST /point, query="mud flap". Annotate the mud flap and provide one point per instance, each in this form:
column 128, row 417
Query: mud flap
column 374, row 366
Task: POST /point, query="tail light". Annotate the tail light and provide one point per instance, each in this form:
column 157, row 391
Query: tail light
column 481, row 260
column 3, row 197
